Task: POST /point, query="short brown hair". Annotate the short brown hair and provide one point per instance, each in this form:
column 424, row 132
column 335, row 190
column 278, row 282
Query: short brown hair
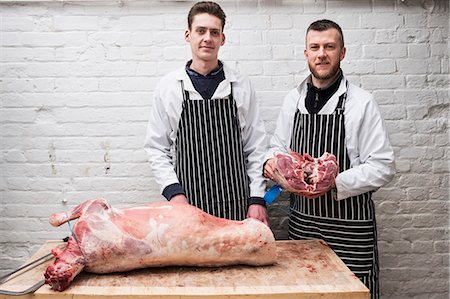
column 208, row 7
column 322, row 25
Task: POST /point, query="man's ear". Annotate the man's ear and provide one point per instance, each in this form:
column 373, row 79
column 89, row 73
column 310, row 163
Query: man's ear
column 343, row 51
column 187, row 35
column 223, row 40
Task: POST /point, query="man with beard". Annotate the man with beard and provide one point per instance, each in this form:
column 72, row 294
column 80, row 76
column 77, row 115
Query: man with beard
column 326, row 113
column 205, row 139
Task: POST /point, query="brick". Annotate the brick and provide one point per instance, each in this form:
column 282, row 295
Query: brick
column 251, row 22
column 340, row 5
column 76, row 84
column 440, row 81
column 69, row 23
column 424, row 97
column 357, row 67
column 393, row 112
column 413, row 35
column 281, row 21
column 442, row 166
column 287, row 37
column 358, row 37
column 384, row 51
column 385, row 66
column 136, row 23
column 441, row 139
column 384, row 97
column 314, row 6
column 417, row 111
column 250, row 68
column 142, row 53
column 422, row 139
column 419, row 81
column 419, row 50
column 118, row 39
column 384, row 82
column 19, row 54
column 424, row 207
column 27, row 85
column 383, row 6
column 402, row 166
column 412, row 66
column 17, row 24
column 415, row 20
column 390, row 21
column 247, row 37
column 400, row 139
column 251, row 53
column 44, row 39
column 281, row 68
column 438, row 20
column 175, row 22
column 441, row 246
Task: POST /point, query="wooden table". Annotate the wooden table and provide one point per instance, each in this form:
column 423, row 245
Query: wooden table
column 305, row 269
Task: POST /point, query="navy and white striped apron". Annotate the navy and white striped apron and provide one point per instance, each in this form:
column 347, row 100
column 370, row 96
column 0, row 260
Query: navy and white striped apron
column 210, row 162
column 348, row 226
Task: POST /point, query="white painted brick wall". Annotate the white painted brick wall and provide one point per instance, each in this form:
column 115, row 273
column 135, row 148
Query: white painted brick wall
column 76, row 86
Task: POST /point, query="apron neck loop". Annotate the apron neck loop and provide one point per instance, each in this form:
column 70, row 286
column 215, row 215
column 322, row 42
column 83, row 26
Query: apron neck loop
column 342, row 99
column 184, row 92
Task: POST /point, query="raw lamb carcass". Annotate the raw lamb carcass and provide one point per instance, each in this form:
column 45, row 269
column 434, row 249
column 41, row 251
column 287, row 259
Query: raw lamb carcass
column 305, row 175
column 109, row 240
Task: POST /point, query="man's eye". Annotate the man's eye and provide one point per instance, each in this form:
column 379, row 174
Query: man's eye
column 331, row 47
column 201, row 31
column 215, row 33
column 314, row 47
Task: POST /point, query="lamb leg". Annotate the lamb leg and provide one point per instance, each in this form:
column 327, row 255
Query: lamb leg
column 68, row 264
column 70, row 261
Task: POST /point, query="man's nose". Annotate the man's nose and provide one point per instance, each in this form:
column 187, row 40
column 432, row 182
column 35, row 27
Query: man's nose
column 207, row 36
column 322, row 52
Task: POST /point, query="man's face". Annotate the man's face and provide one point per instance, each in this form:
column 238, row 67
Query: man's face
column 205, row 36
column 324, row 53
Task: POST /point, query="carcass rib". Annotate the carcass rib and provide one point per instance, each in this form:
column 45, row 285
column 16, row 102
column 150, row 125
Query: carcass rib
column 305, row 175
column 160, row 234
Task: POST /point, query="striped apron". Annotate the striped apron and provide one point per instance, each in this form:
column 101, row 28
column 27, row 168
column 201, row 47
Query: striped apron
column 348, row 226
column 210, row 162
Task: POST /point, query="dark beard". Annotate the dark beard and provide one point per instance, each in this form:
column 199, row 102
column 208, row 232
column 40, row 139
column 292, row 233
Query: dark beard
column 333, row 73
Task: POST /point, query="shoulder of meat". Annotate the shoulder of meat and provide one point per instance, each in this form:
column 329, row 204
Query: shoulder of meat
column 305, row 175
column 160, row 234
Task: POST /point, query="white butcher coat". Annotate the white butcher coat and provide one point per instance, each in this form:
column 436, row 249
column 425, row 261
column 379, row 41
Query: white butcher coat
column 368, row 147
column 165, row 114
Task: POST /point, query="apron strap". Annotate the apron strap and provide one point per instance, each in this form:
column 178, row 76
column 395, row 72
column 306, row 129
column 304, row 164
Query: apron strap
column 342, row 99
column 184, row 92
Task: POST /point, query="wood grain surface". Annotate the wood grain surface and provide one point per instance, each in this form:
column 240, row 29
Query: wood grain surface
column 304, row 269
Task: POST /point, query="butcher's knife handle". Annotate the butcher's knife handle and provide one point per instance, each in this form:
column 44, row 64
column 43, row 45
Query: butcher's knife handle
column 272, row 193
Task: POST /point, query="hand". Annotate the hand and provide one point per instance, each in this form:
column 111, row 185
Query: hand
column 269, row 169
column 180, row 198
column 259, row 212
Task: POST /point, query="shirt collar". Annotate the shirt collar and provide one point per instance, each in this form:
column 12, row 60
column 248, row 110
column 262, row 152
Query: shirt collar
column 213, row 73
column 330, row 88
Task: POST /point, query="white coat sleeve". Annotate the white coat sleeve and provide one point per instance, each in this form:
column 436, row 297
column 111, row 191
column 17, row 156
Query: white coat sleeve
column 375, row 167
column 281, row 139
column 158, row 144
column 255, row 145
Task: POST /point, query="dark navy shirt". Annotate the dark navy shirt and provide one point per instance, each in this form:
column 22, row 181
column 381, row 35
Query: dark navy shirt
column 207, row 84
column 316, row 98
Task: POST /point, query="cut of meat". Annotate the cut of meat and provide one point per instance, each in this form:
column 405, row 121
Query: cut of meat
column 109, row 240
column 305, row 175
